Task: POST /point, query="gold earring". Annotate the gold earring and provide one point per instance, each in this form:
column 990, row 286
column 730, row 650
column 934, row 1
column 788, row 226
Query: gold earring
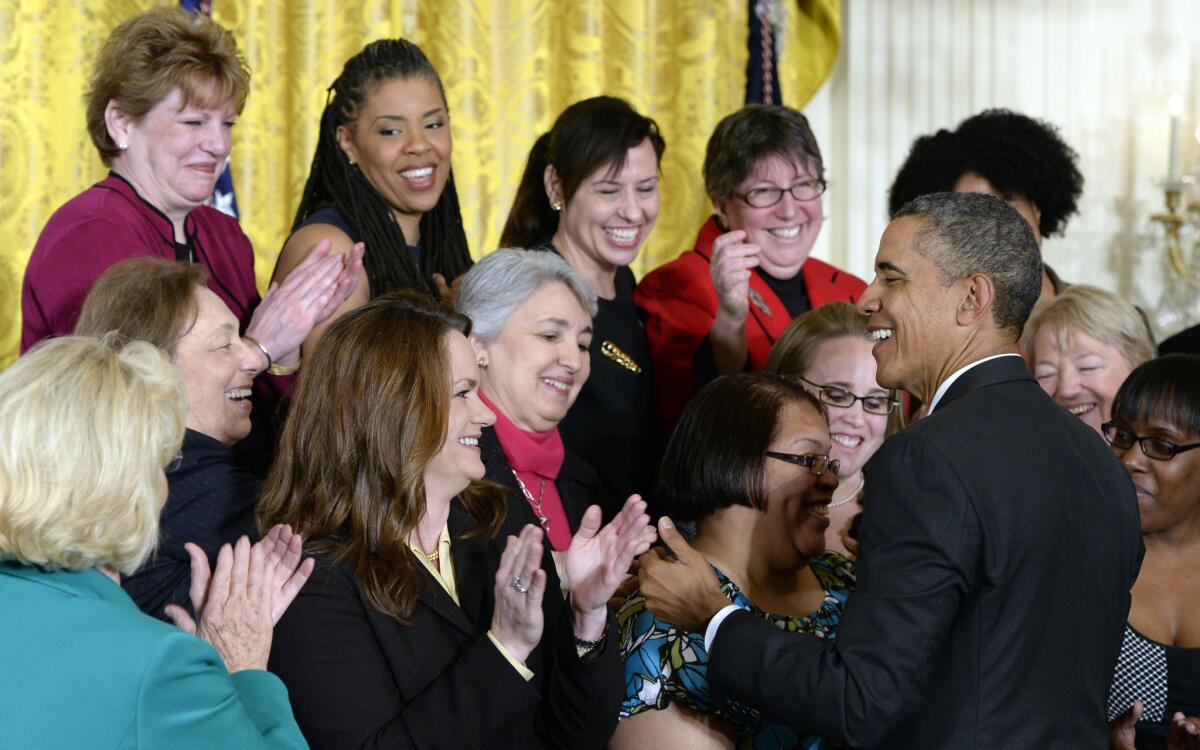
column 556, row 205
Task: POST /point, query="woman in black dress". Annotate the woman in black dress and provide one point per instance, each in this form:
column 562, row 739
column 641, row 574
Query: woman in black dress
column 590, row 194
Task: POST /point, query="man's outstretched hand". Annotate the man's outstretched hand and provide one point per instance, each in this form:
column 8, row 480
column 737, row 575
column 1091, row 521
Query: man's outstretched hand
column 682, row 591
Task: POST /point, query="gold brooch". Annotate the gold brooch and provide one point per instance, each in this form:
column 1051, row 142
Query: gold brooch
column 613, row 352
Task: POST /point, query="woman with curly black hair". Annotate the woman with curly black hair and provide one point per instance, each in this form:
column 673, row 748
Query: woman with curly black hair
column 381, row 176
column 1002, row 153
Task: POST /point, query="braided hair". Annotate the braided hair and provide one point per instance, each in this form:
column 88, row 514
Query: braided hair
column 334, row 181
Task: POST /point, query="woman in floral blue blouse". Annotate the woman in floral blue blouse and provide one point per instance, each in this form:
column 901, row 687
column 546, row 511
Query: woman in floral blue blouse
column 749, row 467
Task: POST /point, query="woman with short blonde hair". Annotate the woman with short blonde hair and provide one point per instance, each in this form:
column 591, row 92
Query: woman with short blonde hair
column 88, row 425
column 1082, row 344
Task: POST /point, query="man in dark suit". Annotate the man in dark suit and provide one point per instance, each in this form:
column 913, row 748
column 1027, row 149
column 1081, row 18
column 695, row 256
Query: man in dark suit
column 1000, row 539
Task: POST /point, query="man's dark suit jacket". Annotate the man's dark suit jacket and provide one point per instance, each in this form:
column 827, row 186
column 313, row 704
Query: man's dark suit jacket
column 578, row 485
column 359, row 679
column 210, row 501
column 1000, row 542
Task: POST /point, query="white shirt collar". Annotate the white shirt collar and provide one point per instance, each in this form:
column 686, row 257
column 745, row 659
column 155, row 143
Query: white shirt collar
column 945, row 386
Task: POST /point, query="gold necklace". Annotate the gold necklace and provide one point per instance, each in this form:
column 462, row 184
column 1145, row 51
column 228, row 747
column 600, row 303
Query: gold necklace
column 537, row 504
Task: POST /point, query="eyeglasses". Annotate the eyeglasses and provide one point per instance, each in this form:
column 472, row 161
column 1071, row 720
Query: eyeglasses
column 1156, row 448
column 816, row 463
column 765, row 197
column 835, row 396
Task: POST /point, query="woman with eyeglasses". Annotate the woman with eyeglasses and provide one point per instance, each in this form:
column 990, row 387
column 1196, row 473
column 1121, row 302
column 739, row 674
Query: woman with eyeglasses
column 827, row 350
column 1155, row 433
column 749, row 467
column 718, row 308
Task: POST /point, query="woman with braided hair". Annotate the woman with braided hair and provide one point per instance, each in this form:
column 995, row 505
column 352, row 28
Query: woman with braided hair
column 381, row 176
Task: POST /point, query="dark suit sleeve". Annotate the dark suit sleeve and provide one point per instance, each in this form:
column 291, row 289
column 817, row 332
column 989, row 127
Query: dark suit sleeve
column 921, row 544
column 582, row 696
column 329, row 654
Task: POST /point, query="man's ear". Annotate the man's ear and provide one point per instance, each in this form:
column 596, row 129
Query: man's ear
column 978, row 294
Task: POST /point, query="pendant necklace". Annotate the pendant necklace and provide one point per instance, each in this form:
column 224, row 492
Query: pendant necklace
column 536, row 504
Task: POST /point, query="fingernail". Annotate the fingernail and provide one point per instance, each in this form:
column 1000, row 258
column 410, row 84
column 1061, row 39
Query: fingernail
column 666, row 523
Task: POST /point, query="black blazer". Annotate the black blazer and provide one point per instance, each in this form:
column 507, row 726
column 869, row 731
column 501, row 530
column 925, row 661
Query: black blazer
column 210, row 501
column 578, row 485
column 1000, row 541
column 359, row 679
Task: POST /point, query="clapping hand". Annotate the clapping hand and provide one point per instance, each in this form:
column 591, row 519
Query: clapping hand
column 520, row 584
column 598, row 560
column 733, row 261
column 1185, row 733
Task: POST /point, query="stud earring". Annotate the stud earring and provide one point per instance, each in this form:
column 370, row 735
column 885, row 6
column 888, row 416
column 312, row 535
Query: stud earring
column 123, row 145
column 556, row 205
column 482, row 363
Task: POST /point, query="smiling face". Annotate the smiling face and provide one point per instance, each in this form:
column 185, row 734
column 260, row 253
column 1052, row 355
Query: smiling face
column 175, row 153
column 458, row 463
column 539, row 361
column 911, row 314
column 611, row 213
column 218, row 370
column 401, row 143
column 1083, row 377
column 846, row 362
column 784, row 232
column 1168, row 492
column 797, row 511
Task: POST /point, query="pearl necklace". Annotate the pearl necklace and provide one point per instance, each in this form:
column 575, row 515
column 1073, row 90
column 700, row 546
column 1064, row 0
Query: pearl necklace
column 851, row 496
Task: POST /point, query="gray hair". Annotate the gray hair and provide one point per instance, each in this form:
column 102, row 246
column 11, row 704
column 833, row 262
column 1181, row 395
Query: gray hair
column 969, row 233
column 502, row 281
column 1107, row 317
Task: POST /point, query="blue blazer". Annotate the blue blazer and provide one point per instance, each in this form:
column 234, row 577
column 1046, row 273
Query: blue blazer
column 84, row 668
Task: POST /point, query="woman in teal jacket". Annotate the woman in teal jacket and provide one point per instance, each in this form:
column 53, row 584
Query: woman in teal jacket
column 87, row 426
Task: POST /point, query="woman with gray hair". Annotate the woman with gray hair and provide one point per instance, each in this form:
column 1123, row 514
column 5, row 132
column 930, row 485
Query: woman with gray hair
column 532, row 325
column 88, row 426
column 1082, row 344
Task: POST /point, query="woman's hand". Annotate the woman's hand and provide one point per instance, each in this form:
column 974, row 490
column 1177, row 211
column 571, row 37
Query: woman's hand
column 1122, row 730
column 311, row 293
column 598, row 560
column 1185, row 733
column 284, row 548
column 520, row 583
column 732, row 263
column 448, row 293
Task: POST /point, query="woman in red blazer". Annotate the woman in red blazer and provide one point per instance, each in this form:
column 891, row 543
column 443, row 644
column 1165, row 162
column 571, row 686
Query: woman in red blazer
column 718, row 308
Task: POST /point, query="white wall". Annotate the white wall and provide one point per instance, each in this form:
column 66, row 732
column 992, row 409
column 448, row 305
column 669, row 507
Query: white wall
column 1101, row 70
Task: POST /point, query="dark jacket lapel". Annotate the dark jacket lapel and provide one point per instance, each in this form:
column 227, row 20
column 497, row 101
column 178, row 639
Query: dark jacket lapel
column 999, row 370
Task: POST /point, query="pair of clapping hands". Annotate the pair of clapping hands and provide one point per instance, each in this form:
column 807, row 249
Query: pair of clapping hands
column 238, row 603
column 596, row 563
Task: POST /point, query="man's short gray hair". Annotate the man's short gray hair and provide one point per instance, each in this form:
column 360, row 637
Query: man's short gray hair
column 969, row 233
column 502, row 281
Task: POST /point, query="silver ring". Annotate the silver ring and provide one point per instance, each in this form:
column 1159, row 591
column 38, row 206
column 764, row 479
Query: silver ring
column 516, row 584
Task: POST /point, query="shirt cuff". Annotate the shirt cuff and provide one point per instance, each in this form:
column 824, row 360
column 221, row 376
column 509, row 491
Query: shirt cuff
column 523, row 670
column 711, row 631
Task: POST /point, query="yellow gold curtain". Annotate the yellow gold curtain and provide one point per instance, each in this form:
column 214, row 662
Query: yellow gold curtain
column 509, row 67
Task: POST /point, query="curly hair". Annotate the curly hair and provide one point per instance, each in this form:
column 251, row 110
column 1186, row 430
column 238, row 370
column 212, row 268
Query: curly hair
column 1018, row 155
column 334, row 181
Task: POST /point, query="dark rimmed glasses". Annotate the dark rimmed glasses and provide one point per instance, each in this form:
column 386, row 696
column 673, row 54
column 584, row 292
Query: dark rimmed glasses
column 835, row 396
column 816, row 463
column 765, row 197
column 1159, row 449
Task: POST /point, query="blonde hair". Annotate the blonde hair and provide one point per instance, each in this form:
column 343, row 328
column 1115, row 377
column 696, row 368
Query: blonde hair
column 1098, row 313
column 88, row 425
column 150, row 55
column 796, row 349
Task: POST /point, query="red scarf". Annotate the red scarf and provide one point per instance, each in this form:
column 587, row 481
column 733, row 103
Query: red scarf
column 535, row 458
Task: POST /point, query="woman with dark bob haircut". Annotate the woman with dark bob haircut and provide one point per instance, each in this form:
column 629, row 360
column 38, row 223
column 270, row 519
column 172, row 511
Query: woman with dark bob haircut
column 590, row 194
column 418, row 629
column 1155, row 433
column 1016, row 158
column 718, row 308
column 749, row 466
column 381, row 176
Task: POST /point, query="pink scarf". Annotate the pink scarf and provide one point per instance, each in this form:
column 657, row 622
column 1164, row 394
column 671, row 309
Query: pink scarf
column 535, row 458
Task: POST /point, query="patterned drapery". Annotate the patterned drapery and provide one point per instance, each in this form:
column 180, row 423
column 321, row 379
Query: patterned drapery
column 509, row 66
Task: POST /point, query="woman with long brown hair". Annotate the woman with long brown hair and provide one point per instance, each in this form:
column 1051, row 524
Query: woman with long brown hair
column 417, row 629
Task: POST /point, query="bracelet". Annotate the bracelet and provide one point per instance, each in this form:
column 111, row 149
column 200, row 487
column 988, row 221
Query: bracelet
column 261, row 348
column 284, row 369
column 584, row 647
